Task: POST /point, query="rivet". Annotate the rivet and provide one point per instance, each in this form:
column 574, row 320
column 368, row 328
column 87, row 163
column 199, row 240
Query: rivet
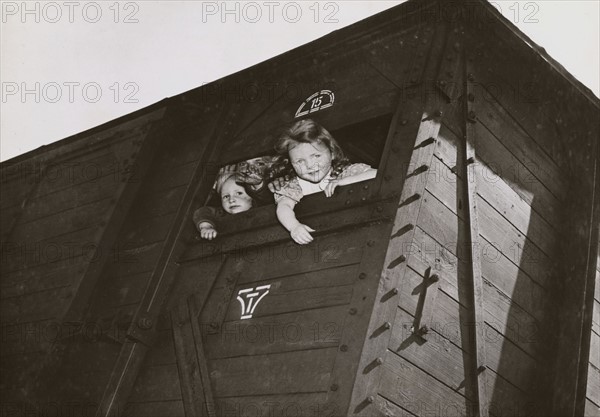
column 387, row 325
column 471, row 77
column 352, row 311
column 394, row 291
column 334, row 387
column 347, row 202
column 344, row 348
column 362, row 275
column 404, row 122
column 442, row 83
column 145, row 323
column 365, row 187
column 370, row 399
column 378, row 361
column 363, row 199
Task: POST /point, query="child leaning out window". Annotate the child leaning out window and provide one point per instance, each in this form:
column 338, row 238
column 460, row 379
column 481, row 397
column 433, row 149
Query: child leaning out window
column 319, row 164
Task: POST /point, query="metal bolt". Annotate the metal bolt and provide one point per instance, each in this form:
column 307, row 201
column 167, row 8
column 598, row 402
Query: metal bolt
column 344, row 348
column 370, row 399
column 363, row 199
column 395, row 291
column 352, row 311
column 362, row 275
column 387, row 325
column 378, row 361
column 471, row 77
column 145, row 323
column 442, row 83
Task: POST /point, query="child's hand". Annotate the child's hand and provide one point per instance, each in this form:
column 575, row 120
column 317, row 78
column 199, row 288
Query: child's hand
column 330, row 188
column 207, row 231
column 278, row 183
column 301, row 234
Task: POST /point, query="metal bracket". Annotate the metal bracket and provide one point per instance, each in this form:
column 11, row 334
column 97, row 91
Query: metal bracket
column 429, row 290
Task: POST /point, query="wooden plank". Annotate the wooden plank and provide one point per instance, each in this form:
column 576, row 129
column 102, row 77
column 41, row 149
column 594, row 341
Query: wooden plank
column 299, row 404
column 437, row 356
column 532, row 227
column 593, row 384
column 438, row 221
column 154, row 409
column 520, row 177
column 157, row 383
column 308, row 329
column 195, row 389
column 72, row 219
column 595, row 350
column 416, row 391
column 591, row 409
column 402, row 165
column 508, row 131
column 289, row 372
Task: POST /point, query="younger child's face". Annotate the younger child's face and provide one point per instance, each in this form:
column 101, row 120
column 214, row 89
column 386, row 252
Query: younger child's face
column 310, row 161
column 234, row 198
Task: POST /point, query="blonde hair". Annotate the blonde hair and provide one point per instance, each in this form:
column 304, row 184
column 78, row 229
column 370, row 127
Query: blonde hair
column 309, row 131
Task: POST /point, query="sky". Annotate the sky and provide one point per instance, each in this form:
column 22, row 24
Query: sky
column 68, row 66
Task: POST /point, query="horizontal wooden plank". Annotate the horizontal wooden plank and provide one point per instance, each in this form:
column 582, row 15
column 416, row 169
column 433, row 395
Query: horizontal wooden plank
column 297, row 301
column 438, row 221
column 309, row 329
column 311, row 404
column 501, row 163
column 51, row 279
column 157, row 383
column 593, row 384
column 508, row 131
column 281, row 373
column 591, row 409
column 436, row 356
column 36, row 306
column 416, row 391
column 70, row 197
column 595, row 349
column 71, row 219
column 153, row 409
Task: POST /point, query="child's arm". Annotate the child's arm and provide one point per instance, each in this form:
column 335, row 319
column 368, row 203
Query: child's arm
column 351, row 179
column 205, row 219
column 299, row 232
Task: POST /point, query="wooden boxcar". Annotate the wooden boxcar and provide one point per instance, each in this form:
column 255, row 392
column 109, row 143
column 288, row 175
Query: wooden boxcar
column 461, row 281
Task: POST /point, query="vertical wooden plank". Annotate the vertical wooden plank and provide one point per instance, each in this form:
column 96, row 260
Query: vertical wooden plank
column 406, row 169
column 191, row 363
column 468, row 163
column 142, row 329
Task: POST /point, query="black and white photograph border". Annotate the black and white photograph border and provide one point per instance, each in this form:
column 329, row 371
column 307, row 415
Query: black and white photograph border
column 156, row 259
